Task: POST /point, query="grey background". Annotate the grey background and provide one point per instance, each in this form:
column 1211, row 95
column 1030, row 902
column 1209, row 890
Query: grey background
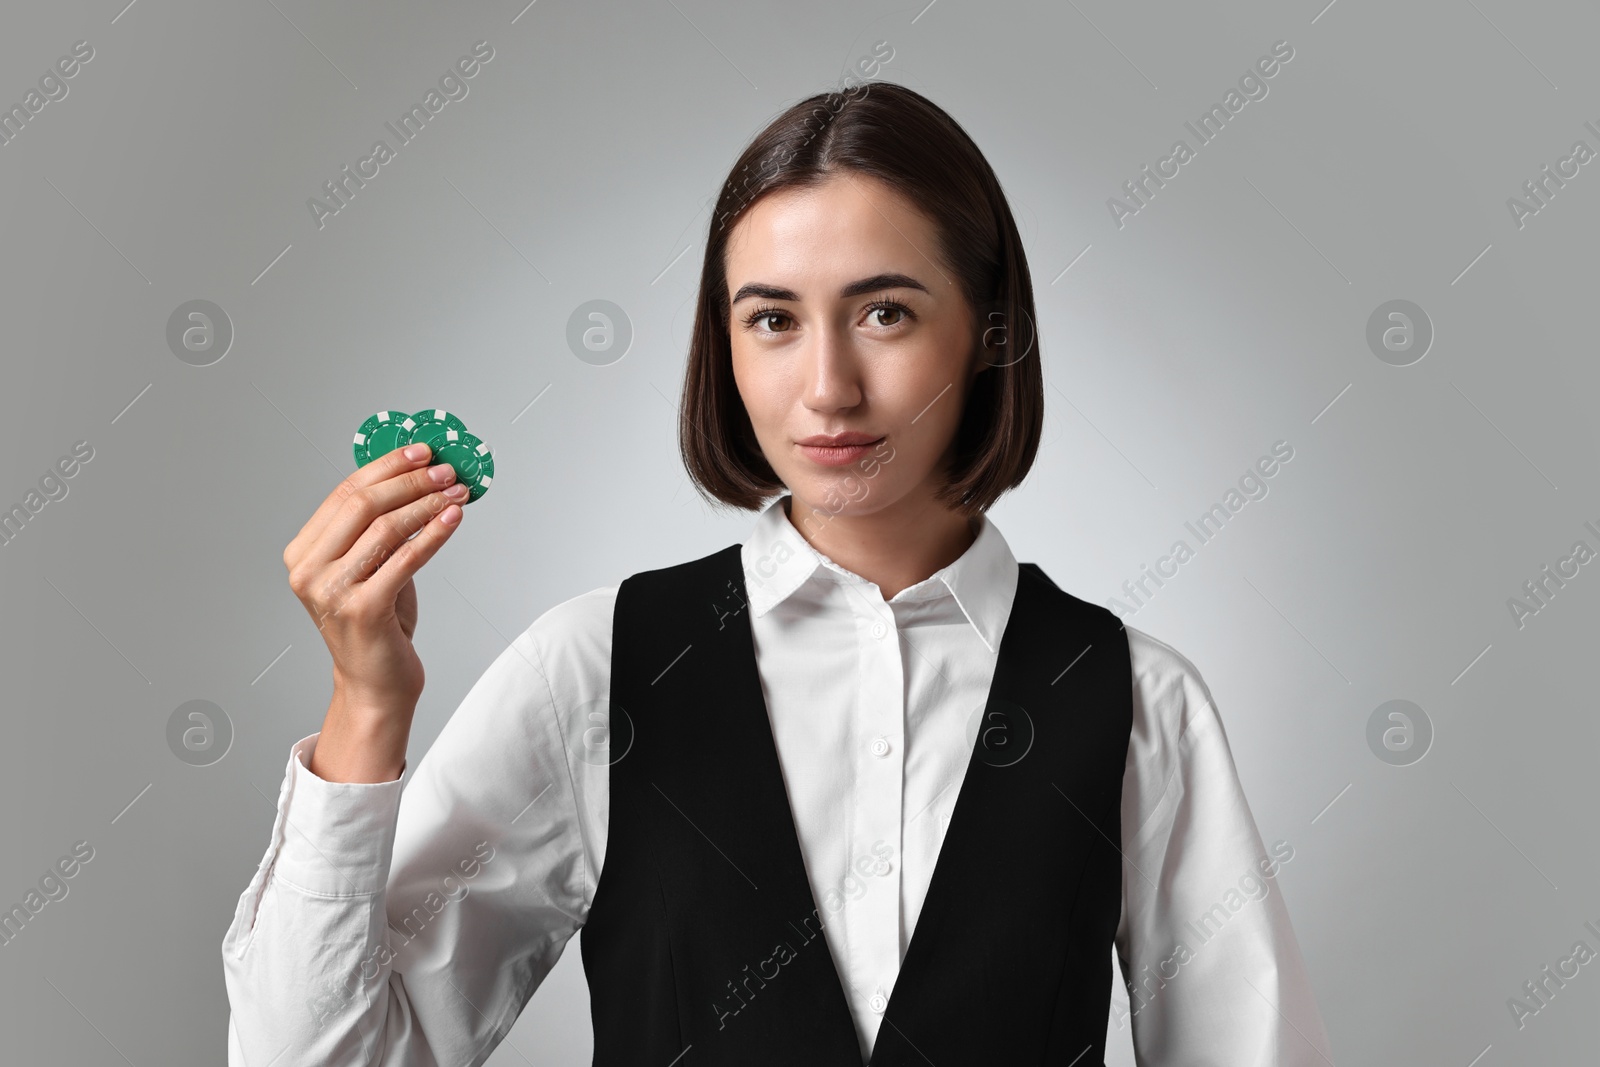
column 1229, row 313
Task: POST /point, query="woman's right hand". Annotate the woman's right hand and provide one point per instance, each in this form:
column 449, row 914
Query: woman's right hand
column 352, row 567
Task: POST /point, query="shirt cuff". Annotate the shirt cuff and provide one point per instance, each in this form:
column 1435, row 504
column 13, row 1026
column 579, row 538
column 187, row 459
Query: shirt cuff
column 338, row 837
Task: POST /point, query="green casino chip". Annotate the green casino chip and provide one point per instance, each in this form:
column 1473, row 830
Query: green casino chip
column 382, row 433
column 430, row 422
column 471, row 458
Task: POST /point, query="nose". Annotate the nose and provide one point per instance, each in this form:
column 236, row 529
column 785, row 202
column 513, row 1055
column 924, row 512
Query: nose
column 833, row 372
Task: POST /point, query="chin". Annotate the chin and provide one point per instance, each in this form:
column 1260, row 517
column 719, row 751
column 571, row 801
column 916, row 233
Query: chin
column 849, row 492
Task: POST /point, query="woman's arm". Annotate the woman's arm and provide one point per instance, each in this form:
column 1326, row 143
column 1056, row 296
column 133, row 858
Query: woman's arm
column 388, row 927
column 1214, row 971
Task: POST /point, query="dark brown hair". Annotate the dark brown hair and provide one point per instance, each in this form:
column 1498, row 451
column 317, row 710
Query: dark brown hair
column 900, row 137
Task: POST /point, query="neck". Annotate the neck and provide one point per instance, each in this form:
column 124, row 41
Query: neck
column 893, row 548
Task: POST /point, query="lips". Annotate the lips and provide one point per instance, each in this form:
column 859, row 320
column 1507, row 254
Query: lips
column 836, row 450
column 839, row 440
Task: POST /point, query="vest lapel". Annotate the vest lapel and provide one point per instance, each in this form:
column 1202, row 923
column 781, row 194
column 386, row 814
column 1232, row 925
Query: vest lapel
column 1039, row 801
column 727, row 734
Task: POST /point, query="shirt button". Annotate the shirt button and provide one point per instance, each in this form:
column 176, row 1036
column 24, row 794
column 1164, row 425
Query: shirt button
column 878, row 1003
column 879, row 629
column 880, row 747
column 884, row 867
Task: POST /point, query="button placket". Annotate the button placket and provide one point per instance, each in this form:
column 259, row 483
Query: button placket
column 875, row 917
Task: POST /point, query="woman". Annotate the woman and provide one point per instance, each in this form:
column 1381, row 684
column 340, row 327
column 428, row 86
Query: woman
column 860, row 786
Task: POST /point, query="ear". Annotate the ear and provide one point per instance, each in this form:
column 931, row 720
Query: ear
column 990, row 344
column 994, row 336
column 997, row 344
column 984, row 354
column 980, row 363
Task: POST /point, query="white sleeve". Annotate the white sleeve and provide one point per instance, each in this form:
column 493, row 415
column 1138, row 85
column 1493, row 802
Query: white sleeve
column 1213, row 971
column 390, row 928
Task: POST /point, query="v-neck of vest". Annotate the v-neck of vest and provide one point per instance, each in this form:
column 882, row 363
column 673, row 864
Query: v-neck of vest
column 974, row 802
column 993, row 946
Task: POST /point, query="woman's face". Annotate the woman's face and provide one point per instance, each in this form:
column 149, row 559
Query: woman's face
column 843, row 320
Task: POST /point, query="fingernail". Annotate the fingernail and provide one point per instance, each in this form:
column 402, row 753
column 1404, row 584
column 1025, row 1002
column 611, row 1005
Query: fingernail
column 457, row 492
column 441, row 472
column 415, row 452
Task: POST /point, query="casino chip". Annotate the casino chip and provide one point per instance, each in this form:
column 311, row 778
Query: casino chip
column 430, row 422
column 471, row 458
column 382, row 433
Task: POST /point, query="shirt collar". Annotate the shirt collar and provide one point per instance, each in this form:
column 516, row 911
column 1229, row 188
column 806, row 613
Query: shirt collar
column 778, row 561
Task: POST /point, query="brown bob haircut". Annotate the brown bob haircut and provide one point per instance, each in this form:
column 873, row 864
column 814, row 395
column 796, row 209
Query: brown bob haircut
column 902, row 138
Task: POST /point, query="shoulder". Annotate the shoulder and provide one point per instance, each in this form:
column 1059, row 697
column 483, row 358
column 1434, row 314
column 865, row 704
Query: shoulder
column 1167, row 682
column 579, row 629
column 1176, row 724
column 563, row 655
column 574, row 634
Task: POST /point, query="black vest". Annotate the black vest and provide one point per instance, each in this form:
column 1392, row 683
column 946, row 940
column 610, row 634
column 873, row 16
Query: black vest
column 704, row 945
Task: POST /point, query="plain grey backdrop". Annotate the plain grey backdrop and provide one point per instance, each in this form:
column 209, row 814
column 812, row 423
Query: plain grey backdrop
column 1443, row 448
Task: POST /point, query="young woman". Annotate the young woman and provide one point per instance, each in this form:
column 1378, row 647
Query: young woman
column 863, row 786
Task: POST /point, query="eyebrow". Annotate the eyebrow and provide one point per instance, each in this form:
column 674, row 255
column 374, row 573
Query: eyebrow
column 865, row 285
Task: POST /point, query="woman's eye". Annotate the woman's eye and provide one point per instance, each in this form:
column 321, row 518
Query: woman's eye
column 888, row 311
column 761, row 321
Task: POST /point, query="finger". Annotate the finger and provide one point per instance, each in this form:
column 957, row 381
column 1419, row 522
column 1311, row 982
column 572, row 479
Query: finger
column 404, row 562
column 369, row 505
column 344, row 580
column 381, row 540
column 392, row 463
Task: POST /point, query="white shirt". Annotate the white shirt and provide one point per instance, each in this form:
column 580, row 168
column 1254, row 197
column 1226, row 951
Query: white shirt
column 390, row 926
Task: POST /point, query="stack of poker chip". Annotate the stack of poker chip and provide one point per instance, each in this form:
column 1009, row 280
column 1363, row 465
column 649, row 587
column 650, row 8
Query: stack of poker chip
column 441, row 431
